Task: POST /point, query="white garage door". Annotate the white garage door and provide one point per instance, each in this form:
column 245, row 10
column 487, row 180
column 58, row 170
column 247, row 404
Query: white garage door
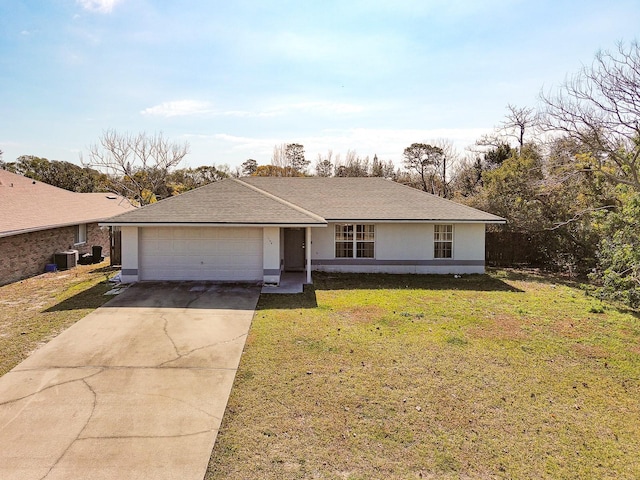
column 200, row 253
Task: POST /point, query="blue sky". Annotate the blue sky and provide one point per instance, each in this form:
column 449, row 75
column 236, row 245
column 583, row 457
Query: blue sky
column 235, row 78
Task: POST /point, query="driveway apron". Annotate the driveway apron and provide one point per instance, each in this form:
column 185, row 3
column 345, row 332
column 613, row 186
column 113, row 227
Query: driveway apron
column 135, row 390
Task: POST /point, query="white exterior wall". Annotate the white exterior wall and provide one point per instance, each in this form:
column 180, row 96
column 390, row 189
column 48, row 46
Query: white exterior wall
column 322, row 242
column 469, row 241
column 404, row 241
column 129, row 241
column 271, row 254
column 405, row 248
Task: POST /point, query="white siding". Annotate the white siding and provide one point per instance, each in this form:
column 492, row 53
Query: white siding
column 405, row 248
column 201, row 253
column 404, row 241
column 468, row 241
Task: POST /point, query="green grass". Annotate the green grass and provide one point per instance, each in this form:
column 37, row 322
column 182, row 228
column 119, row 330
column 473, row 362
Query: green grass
column 35, row 310
column 508, row 375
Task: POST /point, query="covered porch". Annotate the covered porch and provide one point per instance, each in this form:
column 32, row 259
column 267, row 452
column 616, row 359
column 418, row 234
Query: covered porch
column 286, row 256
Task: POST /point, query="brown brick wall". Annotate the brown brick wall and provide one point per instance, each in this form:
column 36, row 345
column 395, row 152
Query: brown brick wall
column 27, row 254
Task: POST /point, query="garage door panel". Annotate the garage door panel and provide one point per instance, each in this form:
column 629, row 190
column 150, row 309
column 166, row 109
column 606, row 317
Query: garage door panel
column 190, row 253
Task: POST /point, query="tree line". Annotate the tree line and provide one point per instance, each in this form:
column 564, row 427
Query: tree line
column 565, row 175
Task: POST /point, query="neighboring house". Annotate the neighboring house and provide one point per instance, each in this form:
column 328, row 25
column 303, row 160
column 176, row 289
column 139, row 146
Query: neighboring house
column 38, row 220
column 254, row 228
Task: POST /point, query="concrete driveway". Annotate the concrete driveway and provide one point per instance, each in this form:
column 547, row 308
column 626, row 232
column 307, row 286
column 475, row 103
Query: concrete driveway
column 135, row 390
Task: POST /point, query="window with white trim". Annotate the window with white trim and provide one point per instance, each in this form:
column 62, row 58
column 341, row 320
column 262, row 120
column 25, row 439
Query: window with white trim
column 355, row 241
column 443, row 241
column 80, row 234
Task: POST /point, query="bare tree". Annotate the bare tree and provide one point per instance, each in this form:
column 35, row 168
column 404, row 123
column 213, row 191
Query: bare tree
column 517, row 122
column 353, row 166
column 279, row 157
column 138, row 165
column 444, row 164
column 600, row 108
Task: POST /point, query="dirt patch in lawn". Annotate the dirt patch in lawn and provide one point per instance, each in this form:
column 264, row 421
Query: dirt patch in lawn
column 590, row 351
column 362, row 314
column 500, row 328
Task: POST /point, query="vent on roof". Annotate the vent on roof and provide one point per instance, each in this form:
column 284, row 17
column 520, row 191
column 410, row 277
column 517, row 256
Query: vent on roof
column 112, row 197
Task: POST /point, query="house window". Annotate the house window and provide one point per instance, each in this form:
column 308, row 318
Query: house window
column 81, row 234
column 443, row 241
column 355, row 241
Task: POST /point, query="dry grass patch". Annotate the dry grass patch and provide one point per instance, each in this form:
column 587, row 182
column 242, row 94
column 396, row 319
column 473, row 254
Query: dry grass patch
column 34, row 310
column 500, row 328
column 434, row 377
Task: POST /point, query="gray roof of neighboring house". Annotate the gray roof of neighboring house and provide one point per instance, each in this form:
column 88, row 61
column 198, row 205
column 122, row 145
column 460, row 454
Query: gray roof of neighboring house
column 28, row 205
column 302, row 201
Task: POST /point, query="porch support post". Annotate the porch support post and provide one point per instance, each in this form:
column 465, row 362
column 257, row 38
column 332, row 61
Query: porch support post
column 307, row 250
column 271, row 255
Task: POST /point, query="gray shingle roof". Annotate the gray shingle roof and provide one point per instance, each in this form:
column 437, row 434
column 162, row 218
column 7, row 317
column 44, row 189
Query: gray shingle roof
column 302, row 201
column 358, row 198
column 28, row 205
column 227, row 202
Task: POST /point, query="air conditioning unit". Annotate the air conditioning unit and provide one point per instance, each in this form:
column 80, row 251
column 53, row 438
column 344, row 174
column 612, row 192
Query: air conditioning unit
column 65, row 260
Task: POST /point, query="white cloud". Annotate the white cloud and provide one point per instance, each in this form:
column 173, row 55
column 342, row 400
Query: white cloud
column 100, row 6
column 179, row 108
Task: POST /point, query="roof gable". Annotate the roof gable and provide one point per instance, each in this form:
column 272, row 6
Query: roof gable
column 227, row 202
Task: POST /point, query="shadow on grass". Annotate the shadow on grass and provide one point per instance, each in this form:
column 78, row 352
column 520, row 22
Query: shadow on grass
column 93, row 298
column 307, row 299
column 372, row 281
column 536, row 275
column 105, row 269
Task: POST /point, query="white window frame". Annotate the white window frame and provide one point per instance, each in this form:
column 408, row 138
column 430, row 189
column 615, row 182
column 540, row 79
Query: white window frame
column 357, row 234
column 80, row 237
column 442, row 234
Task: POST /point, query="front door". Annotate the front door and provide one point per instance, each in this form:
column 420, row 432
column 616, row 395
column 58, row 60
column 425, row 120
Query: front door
column 294, row 249
column 115, row 250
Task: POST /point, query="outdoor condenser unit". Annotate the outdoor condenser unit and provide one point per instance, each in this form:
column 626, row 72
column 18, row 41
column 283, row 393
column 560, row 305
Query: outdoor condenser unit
column 65, row 260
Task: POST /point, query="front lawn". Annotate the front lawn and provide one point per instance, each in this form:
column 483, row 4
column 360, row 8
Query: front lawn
column 36, row 309
column 508, row 375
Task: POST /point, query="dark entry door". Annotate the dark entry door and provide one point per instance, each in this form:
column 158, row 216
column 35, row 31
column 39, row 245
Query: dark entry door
column 294, row 249
column 115, row 252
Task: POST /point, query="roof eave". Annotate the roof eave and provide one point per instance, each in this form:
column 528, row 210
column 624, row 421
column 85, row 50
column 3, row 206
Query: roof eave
column 416, row 220
column 213, row 224
column 11, row 233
